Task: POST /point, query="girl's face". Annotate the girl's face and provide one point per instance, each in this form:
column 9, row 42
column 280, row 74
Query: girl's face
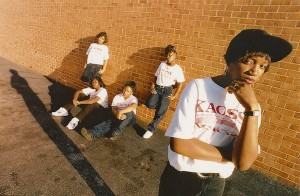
column 171, row 56
column 127, row 92
column 250, row 70
column 101, row 40
column 95, row 84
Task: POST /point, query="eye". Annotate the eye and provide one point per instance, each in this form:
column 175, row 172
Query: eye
column 263, row 66
column 249, row 62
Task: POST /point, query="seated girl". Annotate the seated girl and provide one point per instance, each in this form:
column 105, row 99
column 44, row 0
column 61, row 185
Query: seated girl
column 98, row 99
column 123, row 113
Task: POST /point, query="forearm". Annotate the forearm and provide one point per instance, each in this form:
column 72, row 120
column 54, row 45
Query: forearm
column 76, row 95
column 129, row 108
column 177, row 89
column 114, row 111
column 89, row 101
column 245, row 150
column 104, row 65
column 197, row 149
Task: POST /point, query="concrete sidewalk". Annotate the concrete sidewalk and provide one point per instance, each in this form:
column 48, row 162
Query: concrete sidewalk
column 39, row 156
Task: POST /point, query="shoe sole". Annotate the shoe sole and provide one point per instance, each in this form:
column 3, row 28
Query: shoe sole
column 59, row 115
column 114, row 138
column 84, row 133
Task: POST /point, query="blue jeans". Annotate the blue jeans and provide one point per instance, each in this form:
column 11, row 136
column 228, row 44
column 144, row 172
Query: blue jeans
column 113, row 124
column 160, row 103
column 181, row 183
column 90, row 71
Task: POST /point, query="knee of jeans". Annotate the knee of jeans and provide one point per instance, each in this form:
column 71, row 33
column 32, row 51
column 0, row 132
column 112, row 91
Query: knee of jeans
column 150, row 105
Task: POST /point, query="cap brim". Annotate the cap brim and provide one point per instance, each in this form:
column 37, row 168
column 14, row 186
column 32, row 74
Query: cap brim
column 277, row 48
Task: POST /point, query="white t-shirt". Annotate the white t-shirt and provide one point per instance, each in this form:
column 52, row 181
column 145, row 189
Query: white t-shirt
column 208, row 112
column 121, row 103
column 168, row 75
column 97, row 54
column 102, row 93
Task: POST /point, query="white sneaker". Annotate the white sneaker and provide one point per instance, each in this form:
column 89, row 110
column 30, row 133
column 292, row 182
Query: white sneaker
column 147, row 135
column 73, row 123
column 60, row 112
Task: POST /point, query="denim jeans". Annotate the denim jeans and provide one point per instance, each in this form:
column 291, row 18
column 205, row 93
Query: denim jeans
column 113, row 124
column 90, row 71
column 181, row 183
column 160, row 103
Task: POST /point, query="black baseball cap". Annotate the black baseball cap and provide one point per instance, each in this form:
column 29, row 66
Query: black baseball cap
column 256, row 40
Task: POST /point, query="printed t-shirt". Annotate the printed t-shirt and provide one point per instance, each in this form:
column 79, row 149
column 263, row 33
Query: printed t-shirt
column 102, row 93
column 208, row 112
column 97, row 54
column 121, row 103
column 168, row 75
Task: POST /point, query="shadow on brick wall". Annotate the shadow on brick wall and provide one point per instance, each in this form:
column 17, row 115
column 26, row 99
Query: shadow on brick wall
column 72, row 64
column 143, row 65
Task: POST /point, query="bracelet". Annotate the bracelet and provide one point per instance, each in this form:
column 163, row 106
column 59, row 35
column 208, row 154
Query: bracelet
column 252, row 113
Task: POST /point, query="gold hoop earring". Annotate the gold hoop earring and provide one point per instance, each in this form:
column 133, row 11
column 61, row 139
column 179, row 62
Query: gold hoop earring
column 226, row 70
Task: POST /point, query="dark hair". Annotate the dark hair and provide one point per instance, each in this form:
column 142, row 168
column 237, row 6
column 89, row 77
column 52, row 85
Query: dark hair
column 257, row 54
column 103, row 34
column 132, row 85
column 170, row 48
column 100, row 81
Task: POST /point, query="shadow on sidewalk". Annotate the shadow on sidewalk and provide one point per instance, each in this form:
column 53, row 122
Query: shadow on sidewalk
column 60, row 139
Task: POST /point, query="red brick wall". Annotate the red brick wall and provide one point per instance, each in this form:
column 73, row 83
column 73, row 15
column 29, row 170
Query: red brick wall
column 51, row 37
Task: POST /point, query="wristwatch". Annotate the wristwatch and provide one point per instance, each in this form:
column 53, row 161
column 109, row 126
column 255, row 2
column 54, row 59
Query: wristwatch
column 252, row 113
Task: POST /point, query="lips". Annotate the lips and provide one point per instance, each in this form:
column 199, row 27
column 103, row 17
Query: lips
column 249, row 79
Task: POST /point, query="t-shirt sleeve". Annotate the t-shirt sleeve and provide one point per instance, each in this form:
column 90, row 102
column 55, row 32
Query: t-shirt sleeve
column 183, row 121
column 158, row 70
column 115, row 101
column 134, row 100
column 87, row 91
column 88, row 51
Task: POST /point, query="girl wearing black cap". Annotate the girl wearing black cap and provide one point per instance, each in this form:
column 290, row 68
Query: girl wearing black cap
column 215, row 125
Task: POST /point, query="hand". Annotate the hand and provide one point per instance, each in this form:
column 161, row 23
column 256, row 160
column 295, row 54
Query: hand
column 101, row 71
column 75, row 102
column 244, row 94
column 171, row 97
column 121, row 116
column 153, row 91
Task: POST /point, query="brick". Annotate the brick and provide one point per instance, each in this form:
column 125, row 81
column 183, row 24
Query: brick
column 293, row 107
column 279, row 172
column 281, row 2
column 260, row 3
column 284, row 112
column 277, row 153
column 250, row 8
column 261, row 165
column 285, row 162
column 289, row 151
column 293, row 16
column 271, row 8
column 290, row 66
column 289, row 9
column 296, row 147
column 265, row 22
column 272, row 164
column 292, row 139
